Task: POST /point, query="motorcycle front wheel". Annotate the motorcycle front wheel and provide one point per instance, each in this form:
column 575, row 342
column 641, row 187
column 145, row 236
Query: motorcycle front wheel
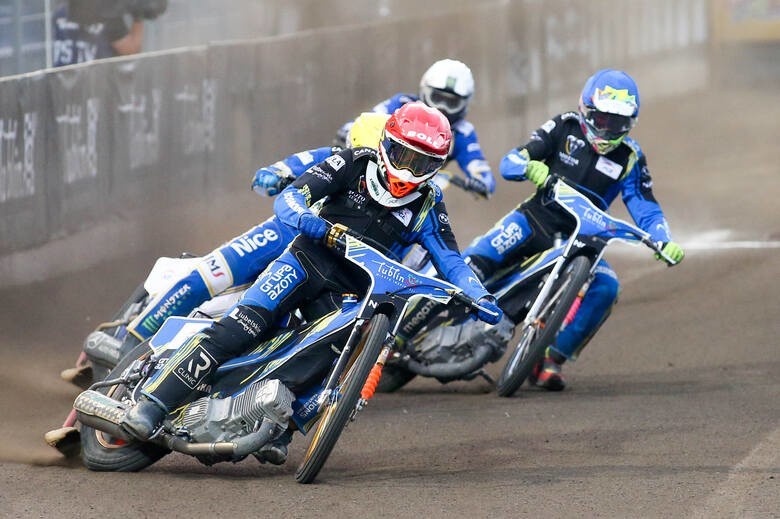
column 104, row 453
column 338, row 410
column 535, row 338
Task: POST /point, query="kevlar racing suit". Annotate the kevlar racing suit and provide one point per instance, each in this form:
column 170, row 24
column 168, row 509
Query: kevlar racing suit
column 231, row 266
column 308, row 270
column 529, row 228
column 465, row 150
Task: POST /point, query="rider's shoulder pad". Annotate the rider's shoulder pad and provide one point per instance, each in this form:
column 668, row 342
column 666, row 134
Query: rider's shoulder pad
column 567, row 116
column 362, row 151
column 633, row 146
column 463, row 127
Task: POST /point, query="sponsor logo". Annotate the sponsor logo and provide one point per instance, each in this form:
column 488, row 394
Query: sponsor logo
column 394, row 274
column 359, row 152
column 419, row 316
column 195, row 367
column 251, row 242
column 171, row 303
column 403, row 215
column 578, row 244
column 509, row 236
column 572, row 146
column 215, row 266
column 444, row 218
column 609, row 167
column 276, row 282
column 320, row 173
column 336, row 162
column 548, row 126
column 247, row 322
column 596, row 218
column 292, row 203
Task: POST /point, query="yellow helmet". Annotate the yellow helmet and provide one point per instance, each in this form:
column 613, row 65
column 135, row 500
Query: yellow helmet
column 366, row 130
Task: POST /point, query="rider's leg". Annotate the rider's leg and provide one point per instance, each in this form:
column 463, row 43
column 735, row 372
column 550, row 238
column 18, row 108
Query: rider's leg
column 507, row 240
column 594, row 310
column 237, row 262
column 277, row 290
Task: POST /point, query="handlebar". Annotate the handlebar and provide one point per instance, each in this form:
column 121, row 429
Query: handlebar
column 466, row 184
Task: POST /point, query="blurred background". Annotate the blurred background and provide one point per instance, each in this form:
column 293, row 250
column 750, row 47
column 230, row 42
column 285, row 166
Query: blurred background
column 91, row 150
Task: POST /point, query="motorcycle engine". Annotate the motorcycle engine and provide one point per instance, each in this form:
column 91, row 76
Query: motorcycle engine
column 209, row 420
column 447, row 344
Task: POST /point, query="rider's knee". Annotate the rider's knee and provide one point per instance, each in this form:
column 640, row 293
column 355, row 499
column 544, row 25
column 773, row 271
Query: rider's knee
column 242, row 328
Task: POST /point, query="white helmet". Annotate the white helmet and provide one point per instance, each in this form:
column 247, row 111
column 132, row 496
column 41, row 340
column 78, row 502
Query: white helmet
column 448, row 85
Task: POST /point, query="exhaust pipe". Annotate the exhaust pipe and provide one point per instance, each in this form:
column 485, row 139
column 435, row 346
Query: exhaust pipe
column 103, row 413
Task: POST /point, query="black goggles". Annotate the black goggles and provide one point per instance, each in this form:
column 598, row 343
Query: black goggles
column 419, row 164
column 607, row 123
column 447, row 100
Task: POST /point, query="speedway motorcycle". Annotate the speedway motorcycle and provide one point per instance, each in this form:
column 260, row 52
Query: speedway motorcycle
column 230, row 420
column 541, row 295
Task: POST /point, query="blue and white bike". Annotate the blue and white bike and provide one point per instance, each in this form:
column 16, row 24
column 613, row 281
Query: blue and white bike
column 228, row 420
column 539, row 297
column 567, row 270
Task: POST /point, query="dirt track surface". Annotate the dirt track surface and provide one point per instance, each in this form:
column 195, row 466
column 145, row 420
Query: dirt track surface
column 672, row 411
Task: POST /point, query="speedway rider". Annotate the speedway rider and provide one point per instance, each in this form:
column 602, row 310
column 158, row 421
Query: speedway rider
column 591, row 149
column 381, row 194
column 234, row 264
column 449, row 86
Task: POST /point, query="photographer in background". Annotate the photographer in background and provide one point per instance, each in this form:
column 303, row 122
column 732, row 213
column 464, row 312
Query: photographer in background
column 86, row 30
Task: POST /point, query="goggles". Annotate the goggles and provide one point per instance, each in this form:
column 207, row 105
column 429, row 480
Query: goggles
column 607, row 125
column 418, row 163
column 447, row 101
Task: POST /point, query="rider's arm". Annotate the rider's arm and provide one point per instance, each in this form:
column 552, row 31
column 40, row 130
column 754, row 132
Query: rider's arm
column 637, row 188
column 317, row 182
column 269, row 180
column 468, row 154
column 437, row 237
column 540, row 146
column 295, row 165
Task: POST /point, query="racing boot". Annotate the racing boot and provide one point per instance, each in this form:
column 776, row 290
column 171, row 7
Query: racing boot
column 275, row 451
column 547, row 372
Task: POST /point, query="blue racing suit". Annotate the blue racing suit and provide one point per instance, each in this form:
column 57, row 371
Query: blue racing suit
column 308, row 270
column 233, row 264
column 529, row 228
column 465, row 150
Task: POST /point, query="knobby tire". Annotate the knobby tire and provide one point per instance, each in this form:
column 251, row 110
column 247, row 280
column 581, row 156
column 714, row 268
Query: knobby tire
column 336, row 414
column 100, row 452
column 574, row 275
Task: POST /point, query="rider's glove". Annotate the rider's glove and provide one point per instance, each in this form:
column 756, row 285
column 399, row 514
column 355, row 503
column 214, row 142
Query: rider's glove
column 673, row 250
column 312, row 226
column 537, row 172
column 489, row 302
column 477, row 186
column 266, row 182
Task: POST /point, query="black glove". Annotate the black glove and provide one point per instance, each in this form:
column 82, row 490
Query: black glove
column 147, row 9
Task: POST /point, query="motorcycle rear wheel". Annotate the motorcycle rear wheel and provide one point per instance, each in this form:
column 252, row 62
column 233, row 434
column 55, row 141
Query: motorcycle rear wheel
column 393, row 379
column 525, row 356
column 100, row 451
column 337, row 412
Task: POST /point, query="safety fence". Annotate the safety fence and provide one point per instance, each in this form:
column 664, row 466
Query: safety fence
column 85, row 144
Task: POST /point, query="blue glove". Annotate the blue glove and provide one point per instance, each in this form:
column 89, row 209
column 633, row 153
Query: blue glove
column 266, row 182
column 312, row 226
column 489, row 302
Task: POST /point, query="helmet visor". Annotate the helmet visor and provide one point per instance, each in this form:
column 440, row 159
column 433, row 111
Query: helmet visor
column 447, row 101
column 606, row 125
column 418, row 163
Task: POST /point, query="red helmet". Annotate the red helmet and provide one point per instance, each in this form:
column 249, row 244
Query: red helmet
column 415, row 144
